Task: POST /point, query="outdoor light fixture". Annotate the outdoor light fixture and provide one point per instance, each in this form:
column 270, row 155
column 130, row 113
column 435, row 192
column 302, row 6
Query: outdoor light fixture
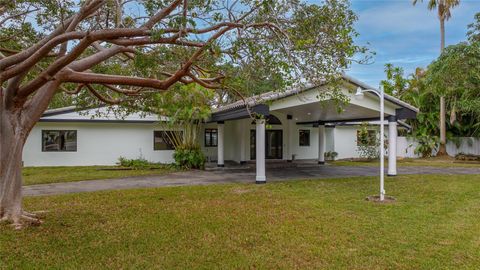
column 360, row 93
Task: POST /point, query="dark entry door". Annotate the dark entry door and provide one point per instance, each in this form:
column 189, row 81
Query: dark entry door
column 273, row 144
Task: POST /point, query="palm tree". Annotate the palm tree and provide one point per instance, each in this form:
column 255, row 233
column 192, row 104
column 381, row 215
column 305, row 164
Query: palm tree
column 443, row 10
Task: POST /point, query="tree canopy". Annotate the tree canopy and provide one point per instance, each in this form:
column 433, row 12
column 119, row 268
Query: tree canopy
column 455, row 74
column 237, row 48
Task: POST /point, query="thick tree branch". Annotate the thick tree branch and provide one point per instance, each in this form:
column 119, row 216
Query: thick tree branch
column 92, row 60
column 93, row 78
column 90, row 7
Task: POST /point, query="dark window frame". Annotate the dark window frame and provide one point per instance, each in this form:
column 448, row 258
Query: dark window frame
column 44, row 131
column 170, row 146
column 210, row 132
column 306, row 132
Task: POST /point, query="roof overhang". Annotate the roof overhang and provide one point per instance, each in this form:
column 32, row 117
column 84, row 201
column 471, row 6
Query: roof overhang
column 403, row 110
column 240, row 113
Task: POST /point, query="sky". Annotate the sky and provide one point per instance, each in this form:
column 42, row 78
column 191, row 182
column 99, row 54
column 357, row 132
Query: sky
column 404, row 35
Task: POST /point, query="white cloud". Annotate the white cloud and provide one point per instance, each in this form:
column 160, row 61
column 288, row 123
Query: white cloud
column 409, row 60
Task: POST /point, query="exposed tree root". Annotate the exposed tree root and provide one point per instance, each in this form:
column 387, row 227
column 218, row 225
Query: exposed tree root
column 25, row 219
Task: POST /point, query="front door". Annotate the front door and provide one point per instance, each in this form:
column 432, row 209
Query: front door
column 273, row 144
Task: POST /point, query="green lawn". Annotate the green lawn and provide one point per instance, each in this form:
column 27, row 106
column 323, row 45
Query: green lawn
column 327, row 224
column 45, row 175
column 434, row 162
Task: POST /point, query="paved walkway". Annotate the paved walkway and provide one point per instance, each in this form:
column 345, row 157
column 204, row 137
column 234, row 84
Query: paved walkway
column 237, row 174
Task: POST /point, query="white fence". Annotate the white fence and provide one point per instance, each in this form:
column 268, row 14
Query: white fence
column 468, row 145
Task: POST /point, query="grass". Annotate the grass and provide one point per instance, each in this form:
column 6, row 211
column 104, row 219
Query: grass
column 45, row 175
column 316, row 224
column 432, row 162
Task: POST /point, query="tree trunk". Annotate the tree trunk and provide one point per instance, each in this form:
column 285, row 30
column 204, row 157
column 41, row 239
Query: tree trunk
column 12, row 139
column 442, row 150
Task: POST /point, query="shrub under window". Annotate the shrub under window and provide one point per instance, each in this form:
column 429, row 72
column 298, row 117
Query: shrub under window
column 59, row 140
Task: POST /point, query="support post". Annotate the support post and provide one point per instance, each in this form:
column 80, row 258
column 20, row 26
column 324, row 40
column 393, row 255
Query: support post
column 321, row 143
column 392, row 146
column 242, row 132
column 289, row 137
column 220, row 145
column 260, row 151
column 382, row 144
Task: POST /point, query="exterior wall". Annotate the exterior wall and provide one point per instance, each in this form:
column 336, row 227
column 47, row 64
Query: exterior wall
column 97, row 144
column 305, row 152
column 104, row 143
column 346, row 142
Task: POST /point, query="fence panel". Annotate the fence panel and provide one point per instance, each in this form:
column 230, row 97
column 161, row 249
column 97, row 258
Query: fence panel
column 467, row 145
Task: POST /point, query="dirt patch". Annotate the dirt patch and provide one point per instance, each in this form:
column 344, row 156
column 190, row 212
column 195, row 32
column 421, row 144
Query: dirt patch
column 376, row 199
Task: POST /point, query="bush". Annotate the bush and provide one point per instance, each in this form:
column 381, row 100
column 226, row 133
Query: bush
column 426, row 145
column 189, row 158
column 331, row 155
column 136, row 164
column 368, row 151
column 467, row 157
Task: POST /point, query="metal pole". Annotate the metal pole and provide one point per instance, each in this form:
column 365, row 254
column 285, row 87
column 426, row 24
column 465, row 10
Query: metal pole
column 382, row 145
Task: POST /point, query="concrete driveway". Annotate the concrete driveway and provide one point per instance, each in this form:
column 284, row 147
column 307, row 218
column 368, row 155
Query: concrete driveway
column 233, row 174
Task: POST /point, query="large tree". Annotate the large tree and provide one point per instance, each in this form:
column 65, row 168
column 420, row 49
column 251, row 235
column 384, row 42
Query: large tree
column 456, row 76
column 125, row 51
column 443, row 8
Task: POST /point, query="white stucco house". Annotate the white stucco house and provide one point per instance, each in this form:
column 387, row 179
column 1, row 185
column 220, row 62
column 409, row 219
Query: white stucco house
column 296, row 125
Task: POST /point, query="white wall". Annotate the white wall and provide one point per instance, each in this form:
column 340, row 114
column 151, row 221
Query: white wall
column 97, row 144
column 346, row 141
column 467, row 145
column 103, row 143
column 406, row 147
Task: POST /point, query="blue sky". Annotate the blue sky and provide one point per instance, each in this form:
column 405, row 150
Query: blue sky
column 405, row 35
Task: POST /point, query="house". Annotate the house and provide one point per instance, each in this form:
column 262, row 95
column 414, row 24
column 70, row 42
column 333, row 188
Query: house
column 295, row 125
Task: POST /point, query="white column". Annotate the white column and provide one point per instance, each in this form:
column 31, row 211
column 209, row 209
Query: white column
column 292, row 139
column 260, row 154
column 289, row 132
column 392, row 146
column 321, row 143
column 220, row 144
column 243, row 139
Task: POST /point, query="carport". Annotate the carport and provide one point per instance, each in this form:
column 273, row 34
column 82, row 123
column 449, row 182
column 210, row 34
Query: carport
column 285, row 111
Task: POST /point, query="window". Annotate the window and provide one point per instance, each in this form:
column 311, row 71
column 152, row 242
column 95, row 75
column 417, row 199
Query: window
column 59, row 140
column 304, row 137
column 162, row 140
column 211, row 137
column 366, row 137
